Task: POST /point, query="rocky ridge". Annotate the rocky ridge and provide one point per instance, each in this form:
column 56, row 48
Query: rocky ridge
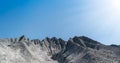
column 79, row 49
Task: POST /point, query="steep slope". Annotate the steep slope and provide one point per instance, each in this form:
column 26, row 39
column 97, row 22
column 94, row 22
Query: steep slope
column 53, row 50
column 85, row 50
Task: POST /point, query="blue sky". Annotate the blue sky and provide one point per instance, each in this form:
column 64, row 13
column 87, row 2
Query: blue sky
column 98, row 20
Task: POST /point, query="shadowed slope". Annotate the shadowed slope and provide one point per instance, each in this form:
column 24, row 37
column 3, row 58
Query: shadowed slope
column 50, row 50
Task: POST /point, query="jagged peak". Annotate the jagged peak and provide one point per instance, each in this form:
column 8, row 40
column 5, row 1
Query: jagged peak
column 60, row 39
column 54, row 38
column 47, row 38
column 84, row 38
column 84, row 41
column 23, row 38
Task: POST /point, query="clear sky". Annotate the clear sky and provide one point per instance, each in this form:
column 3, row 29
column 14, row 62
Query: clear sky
column 97, row 19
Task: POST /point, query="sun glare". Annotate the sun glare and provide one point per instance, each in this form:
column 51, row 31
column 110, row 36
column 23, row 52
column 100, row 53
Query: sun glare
column 115, row 4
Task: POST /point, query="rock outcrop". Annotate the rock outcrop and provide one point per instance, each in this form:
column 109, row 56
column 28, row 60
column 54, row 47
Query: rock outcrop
column 55, row 50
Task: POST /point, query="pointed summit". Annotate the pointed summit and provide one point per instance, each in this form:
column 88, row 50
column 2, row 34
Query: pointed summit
column 23, row 38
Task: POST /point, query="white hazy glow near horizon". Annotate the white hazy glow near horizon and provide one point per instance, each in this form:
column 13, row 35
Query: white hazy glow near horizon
column 105, row 16
column 116, row 4
column 113, row 19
